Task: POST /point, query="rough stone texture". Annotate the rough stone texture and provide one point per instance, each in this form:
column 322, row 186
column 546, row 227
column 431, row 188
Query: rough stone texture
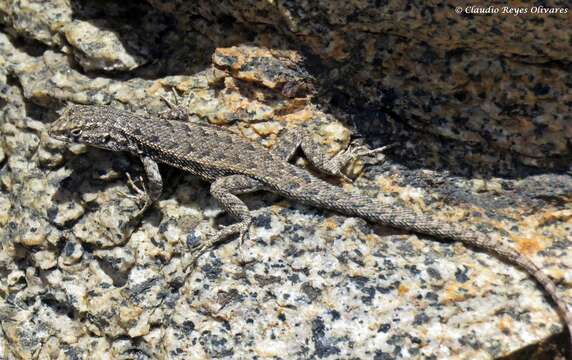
column 453, row 90
column 483, row 92
column 100, row 50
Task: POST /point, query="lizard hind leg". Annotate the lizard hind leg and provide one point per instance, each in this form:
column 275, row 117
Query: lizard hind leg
column 291, row 141
column 225, row 190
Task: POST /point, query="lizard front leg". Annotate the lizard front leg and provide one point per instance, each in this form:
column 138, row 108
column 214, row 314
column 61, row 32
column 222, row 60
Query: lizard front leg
column 291, row 141
column 225, row 190
column 150, row 193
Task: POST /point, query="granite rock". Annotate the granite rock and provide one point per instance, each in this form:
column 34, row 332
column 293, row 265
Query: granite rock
column 498, row 85
column 36, row 20
column 308, row 283
column 97, row 49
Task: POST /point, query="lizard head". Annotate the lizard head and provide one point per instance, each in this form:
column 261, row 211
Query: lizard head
column 87, row 124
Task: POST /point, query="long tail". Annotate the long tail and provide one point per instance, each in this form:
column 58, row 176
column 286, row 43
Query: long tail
column 335, row 199
column 425, row 225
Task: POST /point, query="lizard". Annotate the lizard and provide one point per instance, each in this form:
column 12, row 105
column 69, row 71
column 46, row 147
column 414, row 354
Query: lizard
column 234, row 166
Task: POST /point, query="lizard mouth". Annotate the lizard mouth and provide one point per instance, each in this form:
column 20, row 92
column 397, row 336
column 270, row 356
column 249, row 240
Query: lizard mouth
column 53, row 133
column 58, row 135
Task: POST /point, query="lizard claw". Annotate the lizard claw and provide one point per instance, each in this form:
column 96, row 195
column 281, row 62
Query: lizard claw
column 141, row 196
column 176, row 110
column 170, row 104
column 200, row 247
column 243, row 236
column 360, row 151
column 136, row 188
column 379, row 150
column 175, row 104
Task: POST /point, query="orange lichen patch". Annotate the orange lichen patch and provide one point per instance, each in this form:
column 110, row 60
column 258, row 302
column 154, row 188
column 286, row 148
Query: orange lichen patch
column 402, row 290
column 278, row 70
column 289, row 105
column 259, row 85
column 372, row 241
column 453, row 293
column 539, row 216
column 550, row 217
column 527, row 246
column 459, row 215
column 387, row 185
column 505, row 325
column 538, row 230
column 534, row 232
column 230, row 84
column 156, row 86
column 267, row 128
column 298, row 117
column 236, row 102
column 237, row 105
column 330, row 224
column 243, row 54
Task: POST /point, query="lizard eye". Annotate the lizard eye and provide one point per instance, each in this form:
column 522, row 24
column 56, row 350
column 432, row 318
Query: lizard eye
column 75, row 132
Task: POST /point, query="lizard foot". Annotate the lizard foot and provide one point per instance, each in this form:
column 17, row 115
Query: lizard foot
column 142, row 199
column 141, row 192
column 242, row 229
column 353, row 152
column 359, row 151
column 176, row 110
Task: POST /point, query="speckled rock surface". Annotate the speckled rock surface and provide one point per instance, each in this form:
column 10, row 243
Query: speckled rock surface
column 462, row 81
column 309, row 283
column 100, row 50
